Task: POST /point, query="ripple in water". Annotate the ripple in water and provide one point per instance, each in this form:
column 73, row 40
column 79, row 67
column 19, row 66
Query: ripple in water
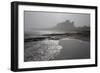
column 41, row 50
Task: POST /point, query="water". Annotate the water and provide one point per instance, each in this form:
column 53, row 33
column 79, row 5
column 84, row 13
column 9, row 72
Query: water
column 62, row 49
column 41, row 50
column 74, row 49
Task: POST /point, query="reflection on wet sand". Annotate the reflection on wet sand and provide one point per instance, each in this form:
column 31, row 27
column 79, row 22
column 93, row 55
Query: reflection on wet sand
column 42, row 50
column 56, row 47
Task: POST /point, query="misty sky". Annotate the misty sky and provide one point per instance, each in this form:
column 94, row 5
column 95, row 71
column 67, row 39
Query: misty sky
column 50, row 19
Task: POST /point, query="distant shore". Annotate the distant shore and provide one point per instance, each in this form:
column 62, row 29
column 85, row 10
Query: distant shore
column 85, row 36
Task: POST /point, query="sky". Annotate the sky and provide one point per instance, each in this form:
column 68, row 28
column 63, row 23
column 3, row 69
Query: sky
column 35, row 19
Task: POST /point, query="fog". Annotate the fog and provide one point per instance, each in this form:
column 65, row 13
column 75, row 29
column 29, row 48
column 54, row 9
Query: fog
column 33, row 19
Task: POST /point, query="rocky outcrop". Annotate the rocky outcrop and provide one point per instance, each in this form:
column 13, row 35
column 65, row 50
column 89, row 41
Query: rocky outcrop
column 65, row 26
